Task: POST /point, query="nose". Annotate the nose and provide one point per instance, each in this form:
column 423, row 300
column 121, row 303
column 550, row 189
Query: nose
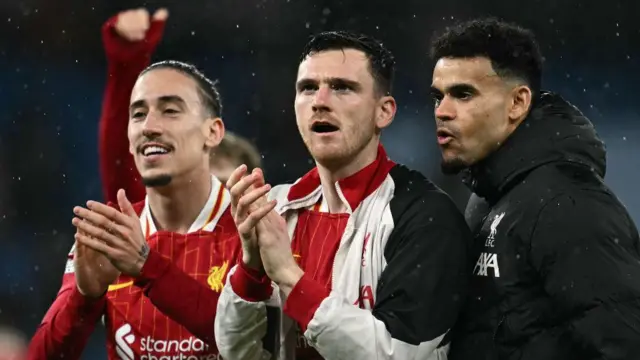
column 152, row 126
column 445, row 109
column 322, row 99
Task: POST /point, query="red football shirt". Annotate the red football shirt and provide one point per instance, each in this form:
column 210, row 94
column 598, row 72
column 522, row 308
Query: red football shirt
column 314, row 245
column 136, row 326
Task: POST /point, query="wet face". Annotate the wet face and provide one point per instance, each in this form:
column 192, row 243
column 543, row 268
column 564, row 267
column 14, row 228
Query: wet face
column 170, row 132
column 338, row 111
column 475, row 109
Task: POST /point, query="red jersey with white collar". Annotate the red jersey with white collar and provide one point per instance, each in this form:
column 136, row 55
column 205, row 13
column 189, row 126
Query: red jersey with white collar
column 143, row 315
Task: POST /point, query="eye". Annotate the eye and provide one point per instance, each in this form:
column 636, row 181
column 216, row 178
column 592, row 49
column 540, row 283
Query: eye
column 170, row 111
column 305, row 88
column 463, row 94
column 138, row 115
column 436, row 97
column 341, row 87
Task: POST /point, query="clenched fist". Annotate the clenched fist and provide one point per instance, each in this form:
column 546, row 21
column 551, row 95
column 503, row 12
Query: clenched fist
column 132, row 25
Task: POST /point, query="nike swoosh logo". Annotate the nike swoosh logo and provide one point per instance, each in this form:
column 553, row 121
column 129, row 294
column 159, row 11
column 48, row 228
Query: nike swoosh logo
column 119, row 286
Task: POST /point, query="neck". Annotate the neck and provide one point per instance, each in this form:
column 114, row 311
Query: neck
column 176, row 206
column 329, row 175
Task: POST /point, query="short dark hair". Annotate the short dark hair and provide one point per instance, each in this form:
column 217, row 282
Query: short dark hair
column 513, row 50
column 207, row 89
column 381, row 60
column 238, row 150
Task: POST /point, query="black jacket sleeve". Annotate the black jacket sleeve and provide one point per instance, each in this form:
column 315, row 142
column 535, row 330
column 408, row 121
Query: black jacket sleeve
column 587, row 256
column 421, row 291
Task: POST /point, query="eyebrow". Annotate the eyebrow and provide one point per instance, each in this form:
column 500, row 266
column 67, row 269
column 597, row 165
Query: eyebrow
column 332, row 80
column 162, row 99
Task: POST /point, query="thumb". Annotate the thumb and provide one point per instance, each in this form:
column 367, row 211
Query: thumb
column 125, row 204
column 78, row 249
column 161, row 14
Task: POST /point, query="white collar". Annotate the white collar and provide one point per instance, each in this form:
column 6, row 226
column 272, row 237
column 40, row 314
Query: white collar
column 219, row 200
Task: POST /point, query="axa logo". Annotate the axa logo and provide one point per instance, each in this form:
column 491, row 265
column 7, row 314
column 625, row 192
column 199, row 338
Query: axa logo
column 124, row 340
column 485, row 262
column 216, row 276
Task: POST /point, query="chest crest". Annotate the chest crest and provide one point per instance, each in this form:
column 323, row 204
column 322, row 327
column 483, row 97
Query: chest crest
column 217, row 275
column 488, row 262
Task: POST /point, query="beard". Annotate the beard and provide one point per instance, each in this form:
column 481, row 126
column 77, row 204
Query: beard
column 157, row 181
column 453, row 166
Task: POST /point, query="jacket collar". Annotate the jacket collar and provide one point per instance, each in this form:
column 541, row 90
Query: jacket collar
column 354, row 188
column 554, row 131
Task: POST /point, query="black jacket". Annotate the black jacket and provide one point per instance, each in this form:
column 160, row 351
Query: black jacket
column 555, row 257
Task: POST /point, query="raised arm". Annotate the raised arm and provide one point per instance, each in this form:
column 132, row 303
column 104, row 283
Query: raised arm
column 129, row 40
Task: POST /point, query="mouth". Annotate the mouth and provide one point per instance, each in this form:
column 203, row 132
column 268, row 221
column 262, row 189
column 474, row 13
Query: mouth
column 324, row 127
column 444, row 136
column 153, row 149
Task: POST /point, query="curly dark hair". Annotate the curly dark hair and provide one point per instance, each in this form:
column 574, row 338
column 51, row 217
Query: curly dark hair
column 207, row 89
column 381, row 60
column 513, row 50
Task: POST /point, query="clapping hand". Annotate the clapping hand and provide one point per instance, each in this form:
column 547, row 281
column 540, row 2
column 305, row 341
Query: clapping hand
column 116, row 234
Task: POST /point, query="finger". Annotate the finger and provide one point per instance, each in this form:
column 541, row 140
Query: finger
column 259, row 182
column 241, row 187
column 101, row 221
column 78, row 249
column 248, row 200
column 110, row 213
column 236, row 175
column 96, row 245
column 257, row 172
column 86, row 228
column 274, row 219
column 125, row 204
column 144, row 18
column 161, row 14
column 255, row 216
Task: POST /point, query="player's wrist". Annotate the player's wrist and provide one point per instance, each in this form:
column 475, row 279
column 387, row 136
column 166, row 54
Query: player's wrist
column 93, row 294
column 288, row 278
column 253, row 262
column 143, row 255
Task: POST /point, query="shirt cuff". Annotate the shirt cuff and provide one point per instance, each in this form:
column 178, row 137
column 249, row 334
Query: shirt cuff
column 251, row 285
column 83, row 303
column 304, row 299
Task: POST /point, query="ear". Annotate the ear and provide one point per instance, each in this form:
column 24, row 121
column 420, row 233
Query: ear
column 213, row 131
column 386, row 111
column 521, row 98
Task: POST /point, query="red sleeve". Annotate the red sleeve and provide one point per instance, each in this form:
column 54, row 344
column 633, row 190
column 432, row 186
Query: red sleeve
column 251, row 285
column 304, row 300
column 66, row 327
column 179, row 296
column 125, row 61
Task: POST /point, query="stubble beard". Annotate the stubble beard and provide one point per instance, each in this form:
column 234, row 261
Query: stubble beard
column 157, row 181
